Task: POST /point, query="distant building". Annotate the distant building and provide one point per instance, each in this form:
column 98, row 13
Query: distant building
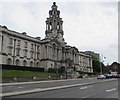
column 51, row 52
column 114, row 67
column 93, row 54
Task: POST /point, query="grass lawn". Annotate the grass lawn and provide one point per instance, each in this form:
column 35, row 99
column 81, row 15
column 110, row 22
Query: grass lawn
column 18, row 73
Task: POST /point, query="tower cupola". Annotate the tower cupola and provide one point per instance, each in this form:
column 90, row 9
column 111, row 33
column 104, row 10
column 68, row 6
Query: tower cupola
column 54, row 7
column 54, row 24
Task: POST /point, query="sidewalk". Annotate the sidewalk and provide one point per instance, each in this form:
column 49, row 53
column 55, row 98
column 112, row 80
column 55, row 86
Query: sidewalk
column 115, row 95
column 36, row 82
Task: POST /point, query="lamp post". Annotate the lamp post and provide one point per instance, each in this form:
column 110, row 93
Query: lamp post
column 101, row 61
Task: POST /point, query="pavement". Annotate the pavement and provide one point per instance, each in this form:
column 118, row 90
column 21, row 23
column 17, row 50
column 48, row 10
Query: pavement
column 36, row 82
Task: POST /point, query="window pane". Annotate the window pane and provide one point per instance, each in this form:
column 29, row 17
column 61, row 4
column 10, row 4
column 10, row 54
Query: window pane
column 18, row 43
column 25, row 44
column 10, row 50
column 10, row 41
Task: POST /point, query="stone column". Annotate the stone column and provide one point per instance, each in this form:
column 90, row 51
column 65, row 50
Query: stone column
column 47, row 51
column 63, row 55
column 4, row 47
column 51, row 56
column 69, row 54
column 77, row 59
column 43, row 52
column 88, row 61
column 55, row 53
column 60, row 54
column 74, row 58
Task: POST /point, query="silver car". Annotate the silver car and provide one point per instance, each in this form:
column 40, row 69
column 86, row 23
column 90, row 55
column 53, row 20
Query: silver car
column 101, row 77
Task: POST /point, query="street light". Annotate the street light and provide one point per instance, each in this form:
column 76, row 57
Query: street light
column 101, row 61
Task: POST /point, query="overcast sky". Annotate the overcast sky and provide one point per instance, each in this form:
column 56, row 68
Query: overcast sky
column 90, row 26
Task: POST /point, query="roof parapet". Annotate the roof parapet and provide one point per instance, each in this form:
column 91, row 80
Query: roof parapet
column 24, row 33
column 38, row 38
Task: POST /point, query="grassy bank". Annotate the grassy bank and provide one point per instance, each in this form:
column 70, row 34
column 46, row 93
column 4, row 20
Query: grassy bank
column 18, row 73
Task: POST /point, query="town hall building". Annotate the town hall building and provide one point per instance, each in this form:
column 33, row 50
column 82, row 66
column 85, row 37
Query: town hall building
column 51, row 52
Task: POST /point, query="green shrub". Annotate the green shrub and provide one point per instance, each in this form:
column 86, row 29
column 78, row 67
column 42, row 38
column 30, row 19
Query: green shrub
column 18, row 73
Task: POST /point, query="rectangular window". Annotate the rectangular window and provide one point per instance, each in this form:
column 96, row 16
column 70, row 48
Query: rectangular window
column 25, row 44
column 32, row 54
column 10, row 51
column 25, row 53
column 17, row 52
column 10, row 41
column 18, row 42
column 31, row 46
column 37, row 48
column 38, row 55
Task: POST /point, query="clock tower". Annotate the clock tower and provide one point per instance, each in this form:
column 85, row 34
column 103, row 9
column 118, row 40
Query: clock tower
column 54, row 25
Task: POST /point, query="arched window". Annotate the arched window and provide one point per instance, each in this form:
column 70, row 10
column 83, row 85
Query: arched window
column 37, row 64
column 9, row 61
column 17, row 62
column 24, row 63
column 31, row 64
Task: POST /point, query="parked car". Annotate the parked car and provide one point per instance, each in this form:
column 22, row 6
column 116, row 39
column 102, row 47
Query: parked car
column 116, row 76
column 108, row 76
column 101, row 77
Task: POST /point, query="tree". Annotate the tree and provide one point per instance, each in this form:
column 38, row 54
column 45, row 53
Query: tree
column 97, row 66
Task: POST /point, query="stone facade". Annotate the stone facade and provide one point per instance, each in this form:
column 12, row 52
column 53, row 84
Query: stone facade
column 51, row 52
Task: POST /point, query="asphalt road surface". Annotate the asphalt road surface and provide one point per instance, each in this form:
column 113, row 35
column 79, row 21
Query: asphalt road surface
column 99, row 90
column 22, row 87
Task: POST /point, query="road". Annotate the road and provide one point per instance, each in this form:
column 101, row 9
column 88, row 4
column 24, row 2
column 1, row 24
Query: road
column 80, row 88
column 21, row 87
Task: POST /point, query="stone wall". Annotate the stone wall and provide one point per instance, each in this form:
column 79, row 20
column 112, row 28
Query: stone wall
column 28, row 79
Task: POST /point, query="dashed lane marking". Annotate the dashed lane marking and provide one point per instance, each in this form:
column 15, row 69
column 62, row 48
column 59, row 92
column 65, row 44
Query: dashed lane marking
column 20, row 87
column 111, row 90
column 83, row 88
column 86, row 87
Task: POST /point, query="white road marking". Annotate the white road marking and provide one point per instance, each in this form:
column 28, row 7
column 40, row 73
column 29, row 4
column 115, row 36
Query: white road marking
column 83, row 88
column 86, row 87
column 20, row 87
column 111, row 90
